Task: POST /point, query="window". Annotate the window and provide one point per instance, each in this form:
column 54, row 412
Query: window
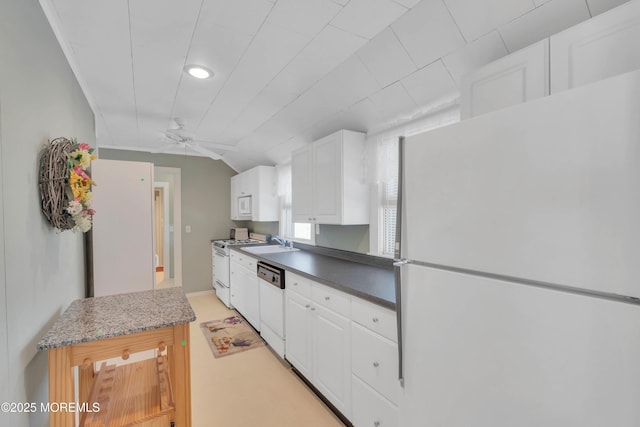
column 383, row 165
column 297, row 231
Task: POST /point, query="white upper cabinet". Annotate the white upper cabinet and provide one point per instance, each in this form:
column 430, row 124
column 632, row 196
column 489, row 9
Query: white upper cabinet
column 513, row 79
column 601, row 47
column 328, row 184
column 254, row 195
column 596, row 49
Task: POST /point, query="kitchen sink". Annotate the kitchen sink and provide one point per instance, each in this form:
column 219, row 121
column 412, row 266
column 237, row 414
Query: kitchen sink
column 269, row 249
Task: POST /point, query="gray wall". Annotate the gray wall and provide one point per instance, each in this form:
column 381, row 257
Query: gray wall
column 353, row 238
column 41, row 270
column 205, row 207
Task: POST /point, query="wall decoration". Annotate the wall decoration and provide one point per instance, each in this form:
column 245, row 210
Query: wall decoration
column 65, row 184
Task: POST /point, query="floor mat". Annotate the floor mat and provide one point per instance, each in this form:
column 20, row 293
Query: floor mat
column 230, row 336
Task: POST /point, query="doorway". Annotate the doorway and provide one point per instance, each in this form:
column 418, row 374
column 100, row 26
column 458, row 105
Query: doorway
column 167, row 229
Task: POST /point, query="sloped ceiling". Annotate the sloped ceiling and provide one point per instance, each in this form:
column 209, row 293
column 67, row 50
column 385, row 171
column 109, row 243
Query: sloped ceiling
column 286, row 71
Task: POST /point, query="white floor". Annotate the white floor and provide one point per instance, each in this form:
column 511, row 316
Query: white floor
column 250, row 389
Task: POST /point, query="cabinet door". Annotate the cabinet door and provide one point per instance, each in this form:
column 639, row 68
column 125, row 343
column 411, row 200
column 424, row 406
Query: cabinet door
column 327, row 179
column 596, row 49
column 298, row 332
column 252, row 298
column 332, row 357
column 513, row 79
column 370, row 409
column 302, row 185
column 237, row 287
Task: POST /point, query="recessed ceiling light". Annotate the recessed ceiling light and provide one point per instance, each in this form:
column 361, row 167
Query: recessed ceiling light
column 198, row 71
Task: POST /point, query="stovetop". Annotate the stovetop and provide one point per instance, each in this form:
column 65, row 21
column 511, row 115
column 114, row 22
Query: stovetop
column 228, row 242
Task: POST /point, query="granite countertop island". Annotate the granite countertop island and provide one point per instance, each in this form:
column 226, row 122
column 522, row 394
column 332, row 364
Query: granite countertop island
column 92, row 319
column 372, row 283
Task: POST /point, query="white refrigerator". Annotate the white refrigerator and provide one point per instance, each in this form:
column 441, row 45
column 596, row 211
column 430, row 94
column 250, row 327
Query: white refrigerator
column 518, row 272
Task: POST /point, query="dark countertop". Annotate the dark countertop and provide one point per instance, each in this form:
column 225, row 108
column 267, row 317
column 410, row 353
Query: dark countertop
column 92, row 319
column 374, row 284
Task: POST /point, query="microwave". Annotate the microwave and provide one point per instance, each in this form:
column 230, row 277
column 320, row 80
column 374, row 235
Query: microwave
column 244, row 206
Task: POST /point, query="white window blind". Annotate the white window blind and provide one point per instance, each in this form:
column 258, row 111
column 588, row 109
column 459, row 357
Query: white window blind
column 300, row 232
column 383, row 166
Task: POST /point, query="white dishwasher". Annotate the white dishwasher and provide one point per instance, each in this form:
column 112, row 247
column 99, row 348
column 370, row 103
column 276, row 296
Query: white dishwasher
column 272, row 306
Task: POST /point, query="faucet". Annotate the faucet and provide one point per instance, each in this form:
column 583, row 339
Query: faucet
column 280, row 240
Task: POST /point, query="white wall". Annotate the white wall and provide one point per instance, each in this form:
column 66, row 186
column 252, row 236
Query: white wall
column 41, row 270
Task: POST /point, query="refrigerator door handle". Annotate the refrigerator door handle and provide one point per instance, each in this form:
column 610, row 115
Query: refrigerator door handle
column 399, row 261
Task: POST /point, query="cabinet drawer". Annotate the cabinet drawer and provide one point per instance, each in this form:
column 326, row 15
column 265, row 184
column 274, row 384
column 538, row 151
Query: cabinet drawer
column 299, row 284
column 375, row 361
column 370, row 409
column 331, row 298
column 246, row 261
column 376, row 318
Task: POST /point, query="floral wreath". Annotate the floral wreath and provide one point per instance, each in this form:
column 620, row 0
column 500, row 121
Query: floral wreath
column 65, row 184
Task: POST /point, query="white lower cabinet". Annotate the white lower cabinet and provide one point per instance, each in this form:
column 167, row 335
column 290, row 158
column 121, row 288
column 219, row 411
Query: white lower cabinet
column 374, row 361
column 346, row 347
column 318, row 341
column 370, row 409
column 332, row 357
column 245, row 288
column 297, row 323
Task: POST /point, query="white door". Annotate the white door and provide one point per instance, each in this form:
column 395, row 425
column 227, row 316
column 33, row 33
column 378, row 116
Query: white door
column 302, row 185
column 123, row 229
column 327, row 179
column 601, row 47
column 298, row 328
column 332, row 357
column 513, row 79
column 487, row 353
column 237, row 286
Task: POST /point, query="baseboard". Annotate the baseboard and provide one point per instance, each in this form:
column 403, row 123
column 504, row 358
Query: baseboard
column 199, row 293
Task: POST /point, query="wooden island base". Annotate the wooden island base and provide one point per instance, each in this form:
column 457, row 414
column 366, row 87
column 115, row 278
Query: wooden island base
column 153, row 392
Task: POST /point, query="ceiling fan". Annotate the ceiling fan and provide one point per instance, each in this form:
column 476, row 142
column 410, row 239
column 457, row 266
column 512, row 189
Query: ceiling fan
column 178, row 136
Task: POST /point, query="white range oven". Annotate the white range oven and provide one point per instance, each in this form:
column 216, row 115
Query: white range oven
column 221, row 249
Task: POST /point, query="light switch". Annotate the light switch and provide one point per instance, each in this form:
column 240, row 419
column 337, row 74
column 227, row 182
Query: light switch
column 188, row 228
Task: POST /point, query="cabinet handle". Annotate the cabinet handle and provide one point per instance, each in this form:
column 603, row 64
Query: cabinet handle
column 309, row 219
column 376, row 364
column 295, row 283
column 327, row 298
column 375, row 320
column 307, row 306
column 313, row 308
column 376, row 424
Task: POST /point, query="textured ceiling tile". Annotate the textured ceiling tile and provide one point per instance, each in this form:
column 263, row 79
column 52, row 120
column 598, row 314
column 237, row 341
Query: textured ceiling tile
column 393, row 101
column 428, row 32
column 596, row 7
column 474, row 55
column 367, row 18
column 430, row 85
column 307, row 17
column 386, row 59
column 476, row 18
column 546, row 20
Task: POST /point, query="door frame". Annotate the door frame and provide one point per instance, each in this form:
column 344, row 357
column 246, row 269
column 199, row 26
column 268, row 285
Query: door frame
column 176, row 174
